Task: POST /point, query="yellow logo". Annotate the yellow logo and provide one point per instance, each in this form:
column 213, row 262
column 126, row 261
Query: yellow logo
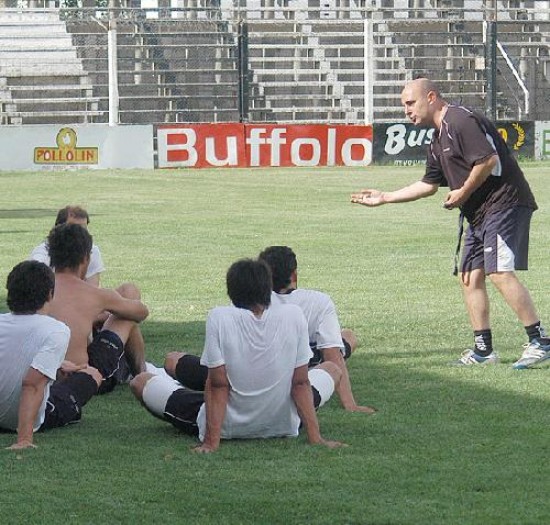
column 66, row 151
column 520, row 139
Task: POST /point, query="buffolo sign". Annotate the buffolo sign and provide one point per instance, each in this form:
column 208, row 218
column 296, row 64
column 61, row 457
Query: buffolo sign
column 404, row 144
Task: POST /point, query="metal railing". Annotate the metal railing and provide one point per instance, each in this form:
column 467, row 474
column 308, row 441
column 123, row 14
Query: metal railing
column 341, row 61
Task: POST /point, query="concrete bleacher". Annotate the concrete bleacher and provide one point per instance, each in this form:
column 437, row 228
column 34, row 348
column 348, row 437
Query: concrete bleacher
column 40, row 72
column 168, row 70
column 308, row 61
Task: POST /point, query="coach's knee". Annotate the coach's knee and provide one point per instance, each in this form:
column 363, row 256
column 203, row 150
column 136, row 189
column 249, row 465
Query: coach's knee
column 137, row 384
column 171, row 361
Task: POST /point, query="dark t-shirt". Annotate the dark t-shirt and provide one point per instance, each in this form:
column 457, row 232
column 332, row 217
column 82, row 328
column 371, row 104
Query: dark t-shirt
column 465, row 139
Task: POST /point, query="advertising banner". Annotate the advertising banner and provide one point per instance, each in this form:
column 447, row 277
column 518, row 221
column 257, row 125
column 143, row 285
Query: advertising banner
column 401, row 144
column 542, row 140
column 520, row 137
column 96, row 146
column 404, row 144
column 263, row 145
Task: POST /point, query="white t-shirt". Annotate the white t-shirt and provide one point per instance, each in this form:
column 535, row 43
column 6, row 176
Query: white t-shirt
column 36, row 341
column 260, row 356
column 322, row 320
column 40, row 253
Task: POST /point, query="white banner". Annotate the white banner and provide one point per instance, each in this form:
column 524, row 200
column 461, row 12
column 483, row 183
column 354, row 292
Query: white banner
column 542, row 140
column 95, row 146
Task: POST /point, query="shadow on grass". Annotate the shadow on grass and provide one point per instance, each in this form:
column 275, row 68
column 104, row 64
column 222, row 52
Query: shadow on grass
column 447, row 446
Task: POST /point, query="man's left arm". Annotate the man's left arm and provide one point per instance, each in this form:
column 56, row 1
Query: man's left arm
column 32, row 395
column 216, row 395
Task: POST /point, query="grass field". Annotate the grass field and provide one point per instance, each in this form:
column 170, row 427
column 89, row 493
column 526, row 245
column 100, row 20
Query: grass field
column 448, row 445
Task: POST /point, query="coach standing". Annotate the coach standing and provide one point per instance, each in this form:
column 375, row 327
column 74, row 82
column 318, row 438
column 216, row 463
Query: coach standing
column 468, row 154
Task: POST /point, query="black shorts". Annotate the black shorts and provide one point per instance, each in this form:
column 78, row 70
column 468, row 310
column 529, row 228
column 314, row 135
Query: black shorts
column 190, row 373
column 182, row 410
column 66, row 399
column 317, row 358
column 106, row 353
column 183, row 406
column 500, row 243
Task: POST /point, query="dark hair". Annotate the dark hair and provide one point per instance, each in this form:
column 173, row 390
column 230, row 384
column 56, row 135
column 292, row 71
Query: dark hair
column 282, row 261
column 68, row 246
column 71, row 211
column 29, row 285
column 249, row 283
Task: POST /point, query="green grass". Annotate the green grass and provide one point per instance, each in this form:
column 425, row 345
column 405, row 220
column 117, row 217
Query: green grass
column 448, row 446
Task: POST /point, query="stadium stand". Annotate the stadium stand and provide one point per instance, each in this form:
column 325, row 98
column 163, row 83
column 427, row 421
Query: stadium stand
column 40, row 73
column 340, row 61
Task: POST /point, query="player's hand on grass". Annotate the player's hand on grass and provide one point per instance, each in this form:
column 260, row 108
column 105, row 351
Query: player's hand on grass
column 204, row 449
column 368, row 198
column 362, row 409
column 331, row 444
column 21, row 445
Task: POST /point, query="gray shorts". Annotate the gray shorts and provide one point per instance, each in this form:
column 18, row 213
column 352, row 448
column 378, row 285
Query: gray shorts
column 500, row 243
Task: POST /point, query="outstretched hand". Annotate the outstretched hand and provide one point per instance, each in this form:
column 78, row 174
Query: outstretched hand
column 368, row 198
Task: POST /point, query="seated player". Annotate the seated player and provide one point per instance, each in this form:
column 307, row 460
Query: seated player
column 257, row 385
column 73, row 215
column 117, row 350
column 328, row 342
column 32, row 350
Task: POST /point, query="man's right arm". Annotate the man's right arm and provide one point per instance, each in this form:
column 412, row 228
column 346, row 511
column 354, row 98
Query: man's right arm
column 416, row 190
column 216, row 395
column 303, row 399
column 32, row 395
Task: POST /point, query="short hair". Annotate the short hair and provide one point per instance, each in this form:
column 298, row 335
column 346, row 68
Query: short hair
column 68, row 246
column 249, row 283
column 71, row 211
column 282, row 261
column 29, row 286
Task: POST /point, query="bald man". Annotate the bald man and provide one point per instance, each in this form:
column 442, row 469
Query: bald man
column 468, row 155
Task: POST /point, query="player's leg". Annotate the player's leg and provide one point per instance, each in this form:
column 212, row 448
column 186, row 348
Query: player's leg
column 165, row 400
column 187, row 369
column 350, row 341
column 68, row 396
column 324, row 379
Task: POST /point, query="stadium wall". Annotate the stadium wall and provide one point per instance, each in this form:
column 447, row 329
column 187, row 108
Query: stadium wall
column 98, row 146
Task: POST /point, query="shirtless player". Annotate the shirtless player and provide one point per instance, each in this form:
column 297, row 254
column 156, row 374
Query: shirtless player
column 117, row 351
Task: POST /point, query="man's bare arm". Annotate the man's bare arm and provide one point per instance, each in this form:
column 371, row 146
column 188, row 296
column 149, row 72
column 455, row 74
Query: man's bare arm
column 216, row 396
column 32, row 395
column 416, row 190
column 303, row 399
column 479, row 174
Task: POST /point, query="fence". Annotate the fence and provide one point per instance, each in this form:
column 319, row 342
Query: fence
column 336, row 61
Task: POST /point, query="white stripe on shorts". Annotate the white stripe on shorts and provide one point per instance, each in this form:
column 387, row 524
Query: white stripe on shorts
column 506, row 260
column 156, row 393
column 323, row 382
